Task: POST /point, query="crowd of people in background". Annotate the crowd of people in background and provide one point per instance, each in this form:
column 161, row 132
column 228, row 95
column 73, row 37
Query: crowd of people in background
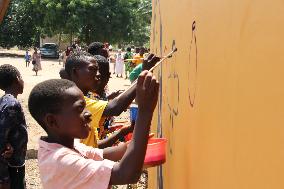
column 124, row 61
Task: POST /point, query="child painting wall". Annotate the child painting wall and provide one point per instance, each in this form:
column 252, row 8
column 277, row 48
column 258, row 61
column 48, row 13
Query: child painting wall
column 221, row 101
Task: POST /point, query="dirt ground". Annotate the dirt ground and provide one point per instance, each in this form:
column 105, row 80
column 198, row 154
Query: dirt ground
column 50, row 71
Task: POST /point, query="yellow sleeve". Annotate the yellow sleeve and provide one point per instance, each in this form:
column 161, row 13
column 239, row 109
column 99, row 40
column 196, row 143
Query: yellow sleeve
column 96, row 107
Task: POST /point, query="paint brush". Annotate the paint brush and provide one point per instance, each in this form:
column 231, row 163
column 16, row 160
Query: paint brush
column 133, row 59
column 154, row 67
column 162, row 60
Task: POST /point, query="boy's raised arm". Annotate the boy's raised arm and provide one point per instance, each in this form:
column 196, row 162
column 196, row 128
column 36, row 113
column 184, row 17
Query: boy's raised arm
column 115, row 153
column 128, row 170
column 116, row 106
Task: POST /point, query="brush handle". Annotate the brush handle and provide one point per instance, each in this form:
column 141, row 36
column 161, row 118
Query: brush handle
column 132, row 59
column 158, row 63
column 154, row 67
column 162, row 60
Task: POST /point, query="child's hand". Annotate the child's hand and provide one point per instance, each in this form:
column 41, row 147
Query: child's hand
column 150, row 62
column 8, row 152
column 147, row 92
column 151, row 135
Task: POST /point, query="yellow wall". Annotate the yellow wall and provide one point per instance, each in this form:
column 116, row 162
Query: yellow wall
column 222, row 100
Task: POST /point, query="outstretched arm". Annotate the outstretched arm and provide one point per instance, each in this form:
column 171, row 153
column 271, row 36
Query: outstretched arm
column 128, row 170
column 116, row 106
column 120, row 103
column 110, row 141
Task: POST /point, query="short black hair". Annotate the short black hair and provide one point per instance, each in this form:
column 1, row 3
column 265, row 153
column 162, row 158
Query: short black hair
column 47, row 97
column 103, row 64
column 75, row 60
column 128, row 49
column 95, row 47
column 63, row 74
column 8, row 74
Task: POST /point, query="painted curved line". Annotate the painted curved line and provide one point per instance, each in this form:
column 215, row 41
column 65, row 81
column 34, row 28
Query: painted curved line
column 174, row 111
column 193, row 26
column 193, row 39
column 173, row 44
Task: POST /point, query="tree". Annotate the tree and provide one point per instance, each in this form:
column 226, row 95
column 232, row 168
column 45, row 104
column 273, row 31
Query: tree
column 115, row 21
column 20, row 26
column 142, row 16
column 63, row 16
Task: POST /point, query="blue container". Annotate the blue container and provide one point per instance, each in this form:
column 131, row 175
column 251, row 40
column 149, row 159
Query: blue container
column 133, row 112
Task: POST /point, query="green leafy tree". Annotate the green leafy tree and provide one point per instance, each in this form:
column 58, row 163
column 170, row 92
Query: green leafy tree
column 142, row 15
column 20, row 26
column 115, row 21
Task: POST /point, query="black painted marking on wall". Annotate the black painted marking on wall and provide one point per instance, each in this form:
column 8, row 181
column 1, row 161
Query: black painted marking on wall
column 160, row 179
column 174, row 110
column 193, row 64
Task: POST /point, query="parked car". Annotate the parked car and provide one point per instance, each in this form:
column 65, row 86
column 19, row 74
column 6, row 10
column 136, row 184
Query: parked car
column 49, row 50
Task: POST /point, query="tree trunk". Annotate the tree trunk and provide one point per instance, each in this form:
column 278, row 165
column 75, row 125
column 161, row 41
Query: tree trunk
column 71, row 38
column 59, row 40
column 87, row 35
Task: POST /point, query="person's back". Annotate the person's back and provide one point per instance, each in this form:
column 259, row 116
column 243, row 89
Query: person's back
column 138, row 58
column 81, row 167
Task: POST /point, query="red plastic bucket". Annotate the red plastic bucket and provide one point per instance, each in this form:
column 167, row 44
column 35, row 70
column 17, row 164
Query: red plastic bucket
column 156, row 152
column 128, row 137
